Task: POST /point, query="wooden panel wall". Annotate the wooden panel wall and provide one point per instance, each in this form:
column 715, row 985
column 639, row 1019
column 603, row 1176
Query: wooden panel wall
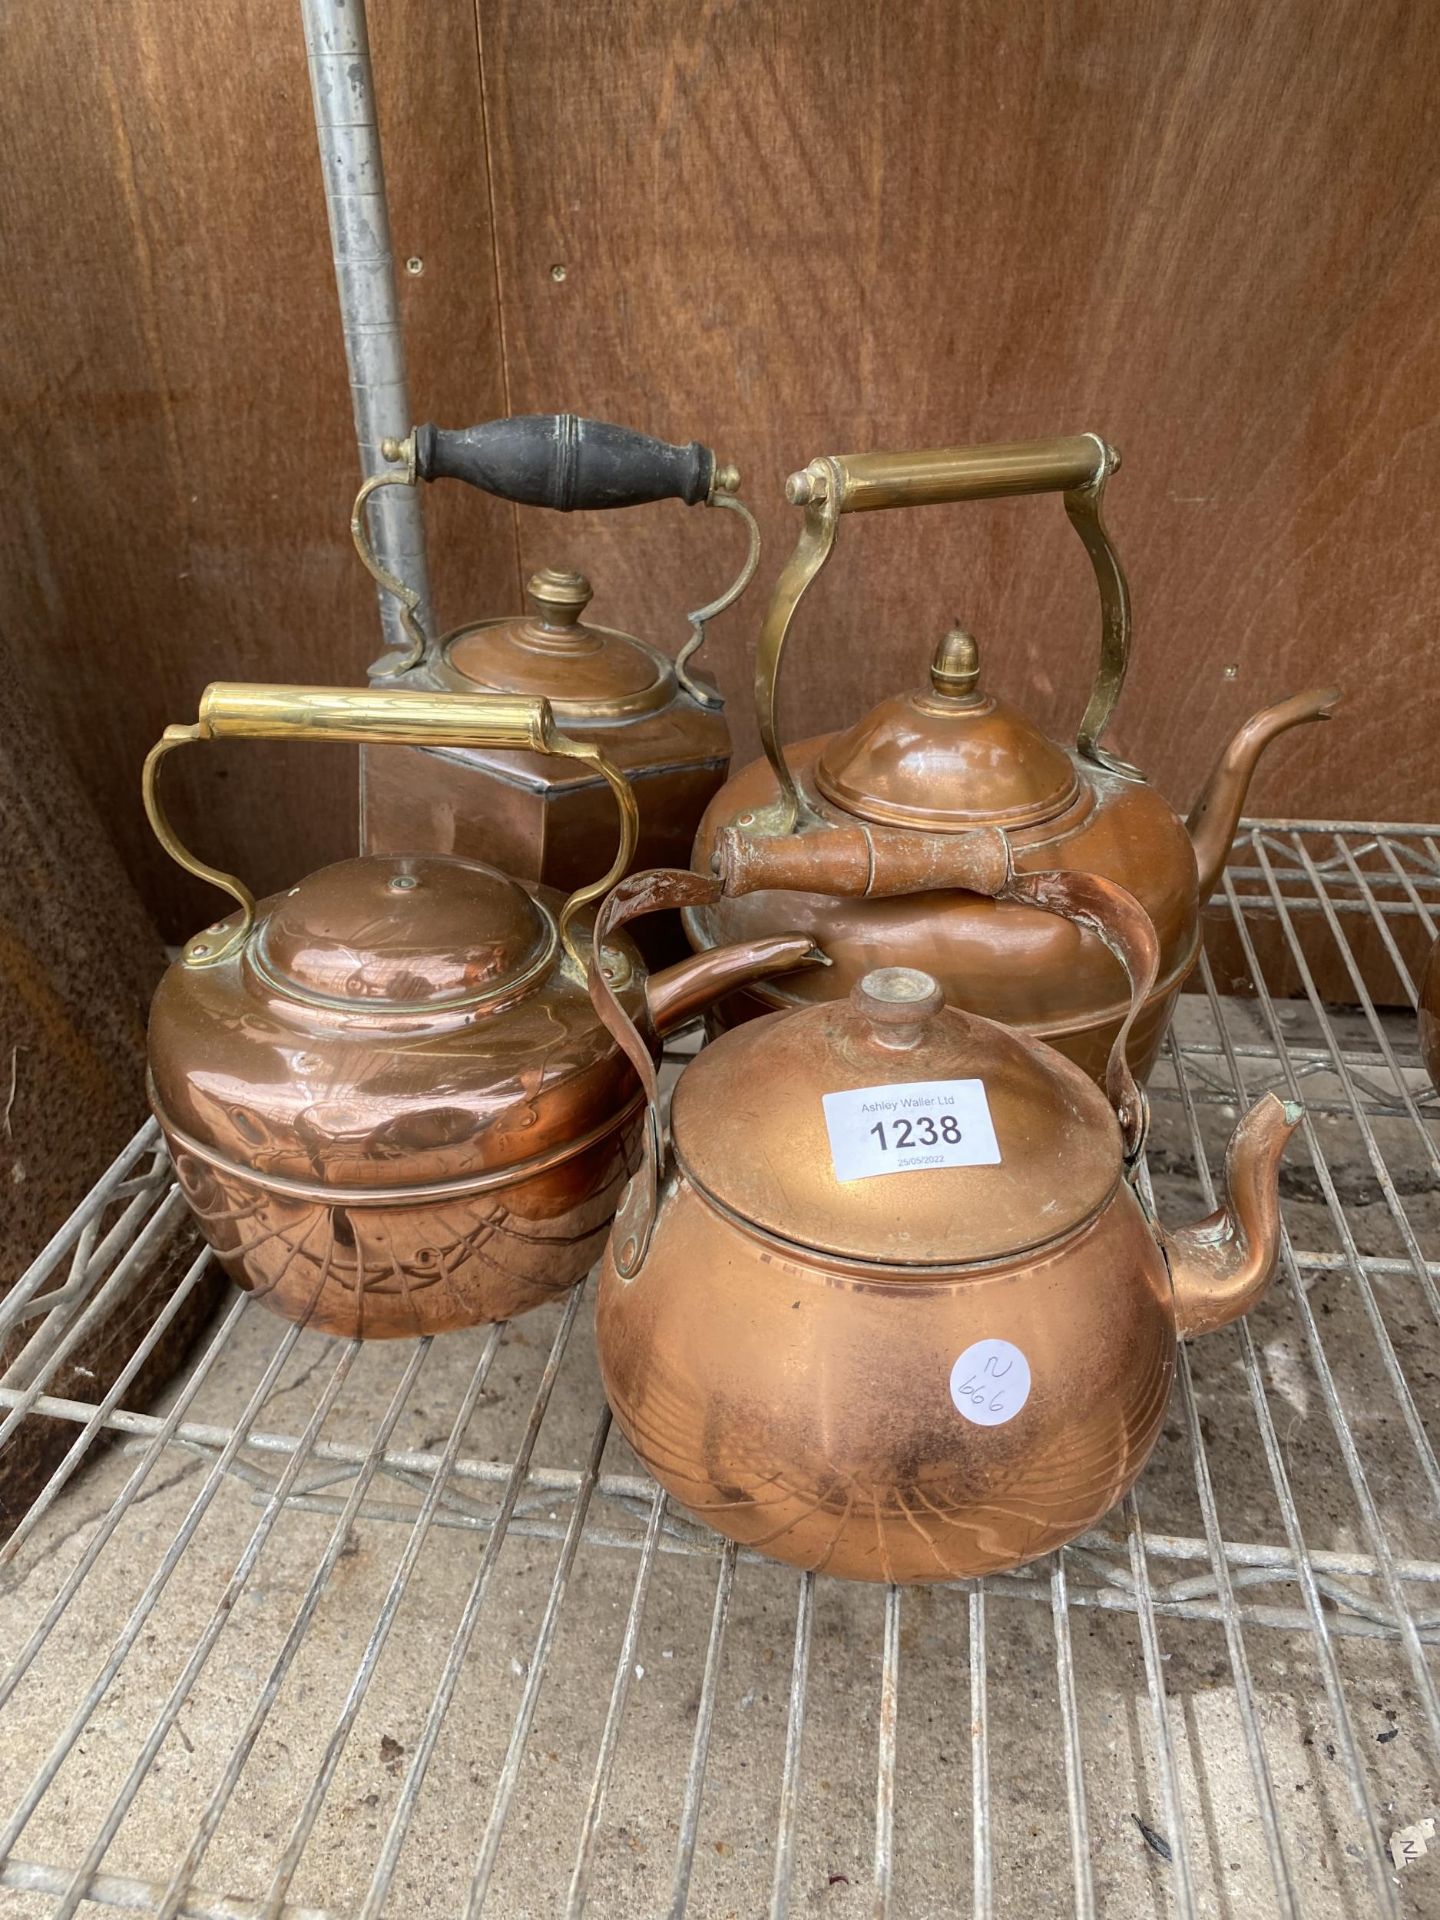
column 1204, row 228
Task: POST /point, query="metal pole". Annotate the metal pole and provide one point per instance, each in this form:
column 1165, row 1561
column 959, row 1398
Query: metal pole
column 337, row 48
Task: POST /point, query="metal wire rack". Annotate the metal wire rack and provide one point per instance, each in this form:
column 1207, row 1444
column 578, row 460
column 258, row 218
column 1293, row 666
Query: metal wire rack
column 340, row 1630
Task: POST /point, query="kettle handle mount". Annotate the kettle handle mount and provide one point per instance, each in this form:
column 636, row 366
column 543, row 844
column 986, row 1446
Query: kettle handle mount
column 569, row 464
column 1105, row 908
column 1075, row 466
column 374, row 715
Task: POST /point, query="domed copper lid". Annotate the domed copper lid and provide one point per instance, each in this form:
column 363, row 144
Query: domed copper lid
column 404, row 933
column 947, row 757
column 391, row 1024
column 585, row 672
column 750, row 1126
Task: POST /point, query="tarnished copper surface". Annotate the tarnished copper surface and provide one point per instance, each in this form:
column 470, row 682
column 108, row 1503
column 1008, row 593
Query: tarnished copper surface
column 1024, row 969
column 1028, row 970
column 780, row 1353
column 947, row 758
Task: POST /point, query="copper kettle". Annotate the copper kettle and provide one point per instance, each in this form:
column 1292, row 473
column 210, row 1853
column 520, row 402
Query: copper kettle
column 833, row 831
column 889, row 1304
column 387, row 1096
column 661, row 722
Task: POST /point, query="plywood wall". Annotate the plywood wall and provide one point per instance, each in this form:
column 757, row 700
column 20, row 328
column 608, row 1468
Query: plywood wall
column 1204, row 228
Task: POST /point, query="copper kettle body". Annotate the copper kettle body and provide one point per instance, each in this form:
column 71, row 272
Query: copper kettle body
column 926, row 1362
column 386, row 1094
column 860, row 837
column 658, row 720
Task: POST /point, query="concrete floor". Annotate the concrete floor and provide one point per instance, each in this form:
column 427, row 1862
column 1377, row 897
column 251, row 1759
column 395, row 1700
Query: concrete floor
column 835, row 1833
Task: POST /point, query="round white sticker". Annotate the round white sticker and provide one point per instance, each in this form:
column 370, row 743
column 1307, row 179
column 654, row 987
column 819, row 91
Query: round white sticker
column 990, row 1382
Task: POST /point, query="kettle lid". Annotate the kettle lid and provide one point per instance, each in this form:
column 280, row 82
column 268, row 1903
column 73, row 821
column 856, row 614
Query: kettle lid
column 584, row 671
column 948, row 757
column 390, row 1024
column 412, row 933
column 893, row 1129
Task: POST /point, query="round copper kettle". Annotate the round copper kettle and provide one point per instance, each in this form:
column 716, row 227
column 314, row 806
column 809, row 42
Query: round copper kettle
column 659, row 721
column 386, row 1093
column 889, row 1304
column 859, row 837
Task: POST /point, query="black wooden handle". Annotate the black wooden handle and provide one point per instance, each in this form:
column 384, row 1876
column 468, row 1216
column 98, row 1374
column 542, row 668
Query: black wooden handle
column 562, row 461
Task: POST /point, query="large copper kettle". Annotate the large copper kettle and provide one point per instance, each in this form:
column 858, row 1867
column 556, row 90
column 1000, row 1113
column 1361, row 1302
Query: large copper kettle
column 386, row 1093
column 839, row 832
column 889, row 1304
column 661, row 722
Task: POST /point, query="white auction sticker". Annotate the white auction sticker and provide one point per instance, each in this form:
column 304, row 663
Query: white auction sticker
column 990, row 1382
column 927, row 1123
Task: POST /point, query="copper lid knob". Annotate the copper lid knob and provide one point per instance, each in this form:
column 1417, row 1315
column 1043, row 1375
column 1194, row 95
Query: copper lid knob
column 897, row 1001
column 559, row 595
column 955, row 670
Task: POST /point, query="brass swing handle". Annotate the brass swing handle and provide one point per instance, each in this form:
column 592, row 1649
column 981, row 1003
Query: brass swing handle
column 569, row 464
column 1076, row 466
column 873, row 862
column 232, row 710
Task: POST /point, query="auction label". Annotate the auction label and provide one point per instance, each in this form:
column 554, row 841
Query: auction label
column 990, row 1382
column 927, row 1123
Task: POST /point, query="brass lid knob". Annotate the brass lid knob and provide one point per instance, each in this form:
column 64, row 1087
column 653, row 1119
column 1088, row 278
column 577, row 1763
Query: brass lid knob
column 559, row 595
column 955, row 669
column 897, row 1001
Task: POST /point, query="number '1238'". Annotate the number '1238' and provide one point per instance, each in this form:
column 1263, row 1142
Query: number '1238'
column 923, row 1131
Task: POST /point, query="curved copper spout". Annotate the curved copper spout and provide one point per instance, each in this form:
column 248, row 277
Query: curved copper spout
column 1223, row 1264
column 678, row 993
column 1215, row 815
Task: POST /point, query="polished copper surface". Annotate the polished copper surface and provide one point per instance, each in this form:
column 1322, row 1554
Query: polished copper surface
column 405, row 933
column 536, row 817
column 791, row 1354
column 584, row 671
column 947, row 761
column 396, row 1136
column 386, row 1091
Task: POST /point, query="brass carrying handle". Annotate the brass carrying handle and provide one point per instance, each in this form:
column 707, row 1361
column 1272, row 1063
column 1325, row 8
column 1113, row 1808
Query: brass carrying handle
column 1076, row 466
column 234, row 710
column 569, row 464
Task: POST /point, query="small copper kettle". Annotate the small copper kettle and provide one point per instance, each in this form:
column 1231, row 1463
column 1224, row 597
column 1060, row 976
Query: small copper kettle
column 890, row 1305
column 387, row 1096
column 882, row 810
column 659, row 721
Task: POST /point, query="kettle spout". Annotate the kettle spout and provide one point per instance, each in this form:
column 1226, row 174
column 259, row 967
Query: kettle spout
column 1216, row 814
column 679, row 993
column 1220, row 1266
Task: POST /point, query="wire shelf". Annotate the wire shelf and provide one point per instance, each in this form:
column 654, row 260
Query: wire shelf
column 342, row 1629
